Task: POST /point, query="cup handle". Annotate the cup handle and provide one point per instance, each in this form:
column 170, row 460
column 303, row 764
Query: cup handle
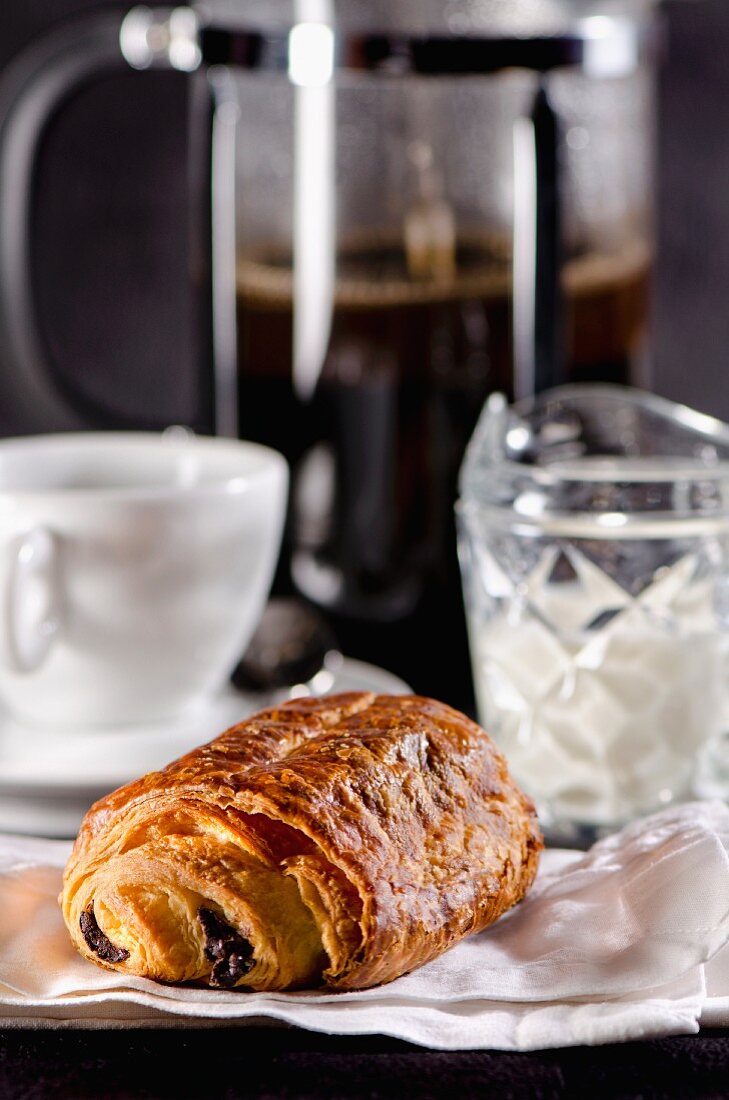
column 30, row 619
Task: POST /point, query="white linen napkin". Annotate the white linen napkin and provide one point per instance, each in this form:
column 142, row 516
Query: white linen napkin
column 609, row 945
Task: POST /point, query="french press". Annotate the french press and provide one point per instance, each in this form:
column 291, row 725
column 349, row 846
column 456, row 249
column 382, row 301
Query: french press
column 411, row 205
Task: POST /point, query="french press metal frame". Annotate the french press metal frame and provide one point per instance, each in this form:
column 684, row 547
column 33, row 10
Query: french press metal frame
column 601, row 46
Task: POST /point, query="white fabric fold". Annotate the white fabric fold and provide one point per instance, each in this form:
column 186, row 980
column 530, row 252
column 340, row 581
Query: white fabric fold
column 609, row 945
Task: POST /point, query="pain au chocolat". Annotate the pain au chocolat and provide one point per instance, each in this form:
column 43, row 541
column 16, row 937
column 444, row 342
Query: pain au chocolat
column 339, row 841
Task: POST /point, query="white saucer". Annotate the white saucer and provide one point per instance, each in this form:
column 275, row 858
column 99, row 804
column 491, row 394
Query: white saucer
column 49, row 777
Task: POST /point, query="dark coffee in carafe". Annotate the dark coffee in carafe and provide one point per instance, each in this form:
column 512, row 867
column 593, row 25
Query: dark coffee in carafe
column 375, row 452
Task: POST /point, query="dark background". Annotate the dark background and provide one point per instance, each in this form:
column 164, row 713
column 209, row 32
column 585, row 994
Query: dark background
column 110, row 257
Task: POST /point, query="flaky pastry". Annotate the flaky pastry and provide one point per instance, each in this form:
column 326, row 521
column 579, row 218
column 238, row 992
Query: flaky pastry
column 339, row 841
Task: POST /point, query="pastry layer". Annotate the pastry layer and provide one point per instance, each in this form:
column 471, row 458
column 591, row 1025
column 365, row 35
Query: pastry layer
column 338, row 841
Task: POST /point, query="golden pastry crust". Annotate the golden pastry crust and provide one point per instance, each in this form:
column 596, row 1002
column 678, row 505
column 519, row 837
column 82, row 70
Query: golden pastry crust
column 339, row 841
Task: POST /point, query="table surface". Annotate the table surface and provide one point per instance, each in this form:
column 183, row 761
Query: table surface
column 283, row 1064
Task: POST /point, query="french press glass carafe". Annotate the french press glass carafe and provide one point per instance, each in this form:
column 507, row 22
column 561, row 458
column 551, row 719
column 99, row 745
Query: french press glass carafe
column 413, row 205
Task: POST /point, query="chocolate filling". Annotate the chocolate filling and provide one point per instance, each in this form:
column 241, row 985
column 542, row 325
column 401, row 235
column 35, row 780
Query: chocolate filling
column 231, row 953
column 97, row 941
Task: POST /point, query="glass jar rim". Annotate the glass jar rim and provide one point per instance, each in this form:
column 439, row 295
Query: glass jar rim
column 610, row 489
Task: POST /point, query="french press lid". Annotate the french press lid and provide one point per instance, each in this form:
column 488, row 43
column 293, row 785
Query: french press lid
column 604, row 38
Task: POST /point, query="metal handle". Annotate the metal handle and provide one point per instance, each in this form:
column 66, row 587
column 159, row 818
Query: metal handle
column 31, row 90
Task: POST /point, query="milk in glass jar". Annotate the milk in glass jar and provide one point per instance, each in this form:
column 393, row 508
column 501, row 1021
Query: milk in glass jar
column 594, row 538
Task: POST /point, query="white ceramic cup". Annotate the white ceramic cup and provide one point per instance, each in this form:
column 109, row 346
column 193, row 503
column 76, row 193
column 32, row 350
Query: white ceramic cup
column 133, row 570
